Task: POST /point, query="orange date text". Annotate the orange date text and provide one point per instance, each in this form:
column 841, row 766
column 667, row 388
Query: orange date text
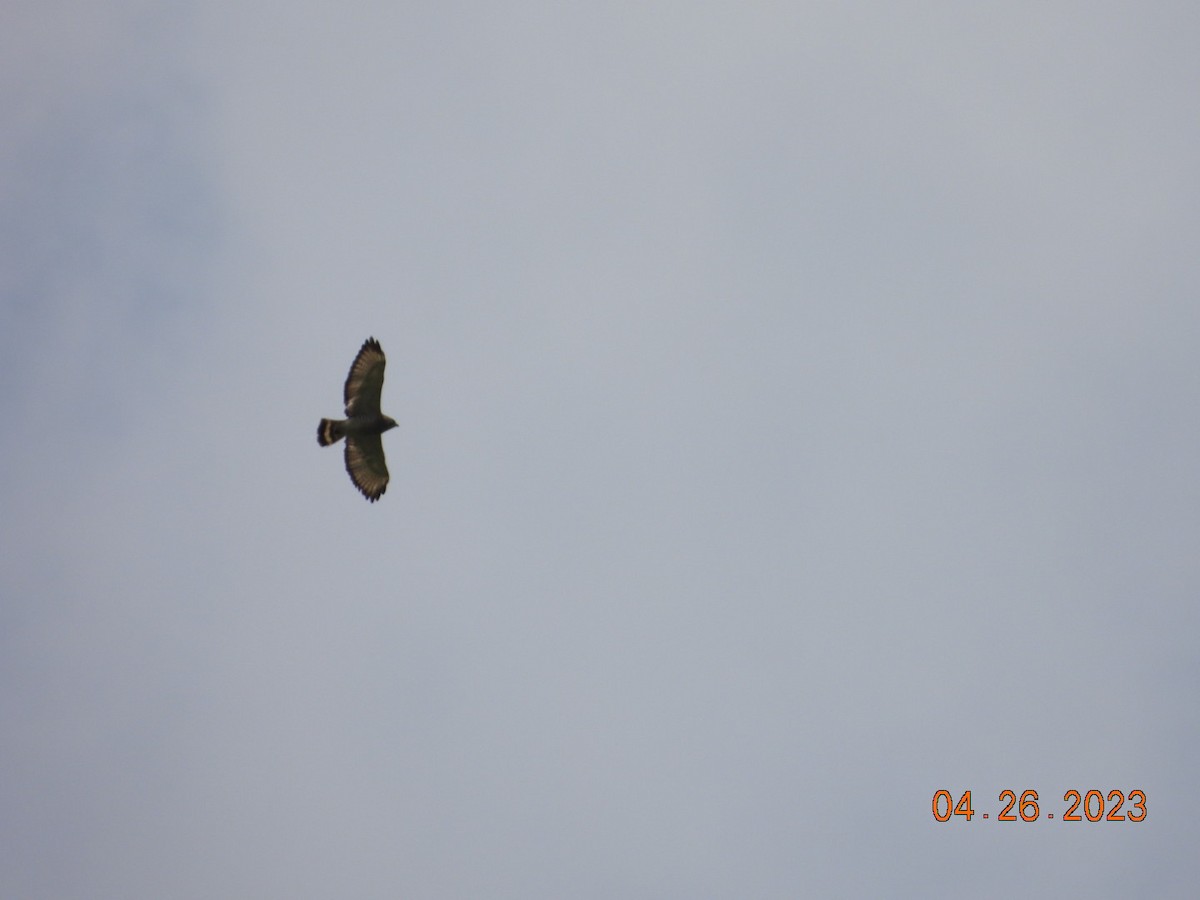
column 1092, row 806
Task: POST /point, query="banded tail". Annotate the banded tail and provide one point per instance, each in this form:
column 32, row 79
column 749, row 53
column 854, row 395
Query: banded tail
column 330, row 431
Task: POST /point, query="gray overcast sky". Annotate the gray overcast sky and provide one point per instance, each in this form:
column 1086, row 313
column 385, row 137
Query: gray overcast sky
column 799, row 414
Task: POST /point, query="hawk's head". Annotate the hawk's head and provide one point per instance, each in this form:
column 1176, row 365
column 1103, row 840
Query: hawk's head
column 388, row 422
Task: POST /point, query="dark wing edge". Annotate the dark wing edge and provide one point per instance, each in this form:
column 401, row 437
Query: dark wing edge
column 364, row 384
column 366, row 465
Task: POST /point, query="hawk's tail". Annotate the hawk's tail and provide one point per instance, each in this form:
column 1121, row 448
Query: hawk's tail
column 330, row 431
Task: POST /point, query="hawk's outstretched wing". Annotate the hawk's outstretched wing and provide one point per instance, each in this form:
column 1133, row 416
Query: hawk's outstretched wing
column 364, row 460
column 363, row 386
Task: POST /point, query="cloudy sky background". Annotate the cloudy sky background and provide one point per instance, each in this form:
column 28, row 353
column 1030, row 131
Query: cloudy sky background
column 799, row 415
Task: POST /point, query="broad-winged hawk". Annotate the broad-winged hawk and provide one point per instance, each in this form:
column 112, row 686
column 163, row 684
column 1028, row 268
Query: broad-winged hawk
column 364, row 423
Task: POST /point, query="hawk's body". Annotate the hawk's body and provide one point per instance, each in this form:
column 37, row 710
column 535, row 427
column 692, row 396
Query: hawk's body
column 364, row 423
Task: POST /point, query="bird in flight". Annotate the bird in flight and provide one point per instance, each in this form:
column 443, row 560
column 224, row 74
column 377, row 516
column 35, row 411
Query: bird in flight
column 364, row 424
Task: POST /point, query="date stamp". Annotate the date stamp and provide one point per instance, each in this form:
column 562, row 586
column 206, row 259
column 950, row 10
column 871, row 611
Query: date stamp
column 1095, row 805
